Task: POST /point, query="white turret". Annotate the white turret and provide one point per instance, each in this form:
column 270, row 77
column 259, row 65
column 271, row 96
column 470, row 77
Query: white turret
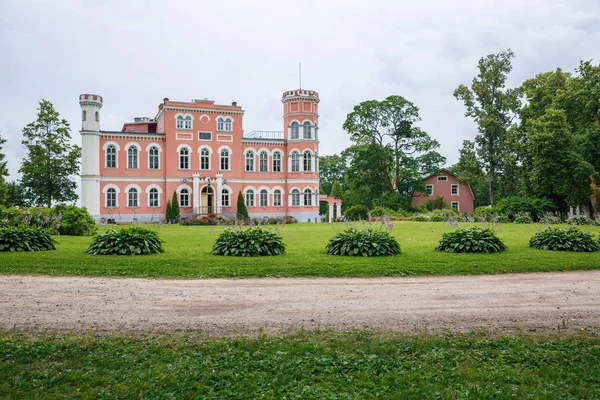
column 90, row 152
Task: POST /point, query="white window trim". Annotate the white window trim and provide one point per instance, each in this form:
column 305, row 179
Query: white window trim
column 179, row 148
column 246, row 194
column 432, row 190
column 290, row 168
column 105, row 192
column 248, row 149
column 281, row 192
column 139, row 152
column 117, row 149
column 268, row 159
column 184, row 119
column 457, row 189
column 205, row 140
column 209, row 158
column 457, row 205
column 442, row 178
column 260, row 189
column 280, row 152
column 225, row 118
column 300, row 198
column 148, row 154
column 229, row 157
column 227, row 189
column 139, row 192
column 189, row 189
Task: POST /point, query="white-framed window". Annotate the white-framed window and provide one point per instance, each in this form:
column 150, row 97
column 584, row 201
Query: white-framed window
column 263, row 161
column 228, row 124
column 111, row 198
column 307, row 161
column 221, row 124
column 264, row 198
column 184, row 198
column 224, row 124
column 111, row 156
column 295, row 197
column 307, row 197
column 306, row 130
column 455, row 205
column 133, row 198
column 184, row 158
column 428, row 190
column 179, row 120
column 83, row 115
column 249, row 161
column 204, row 159
column 205, row 136
column 250, row 198
column 184, row 122
column 295, row 130
column 295, row 159
column 224, row 160
column 153, row 198
column 225, row 198
column 153, row 158
column 442, row 178
column 276, row 161
column 132, row 158
column 277, row 198
column 454, row 190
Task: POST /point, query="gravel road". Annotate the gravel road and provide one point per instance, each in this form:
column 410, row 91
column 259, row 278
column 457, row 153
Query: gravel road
column 541, row 301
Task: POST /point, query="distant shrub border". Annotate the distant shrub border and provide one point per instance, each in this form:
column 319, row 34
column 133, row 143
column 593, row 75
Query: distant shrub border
column 565, row 239
column 126, row 241
column 363, row 242
column 250, row 242
column 25, row 239
column 471, row 240
column 215, row 219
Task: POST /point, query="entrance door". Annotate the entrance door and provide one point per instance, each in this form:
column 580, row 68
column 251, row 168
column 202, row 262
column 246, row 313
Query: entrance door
column 208, row 200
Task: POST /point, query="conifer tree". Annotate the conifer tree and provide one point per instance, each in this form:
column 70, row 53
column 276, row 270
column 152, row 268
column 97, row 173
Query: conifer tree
column 169, row 212
column 175, row 208
column 336, row 190
column 241, row 206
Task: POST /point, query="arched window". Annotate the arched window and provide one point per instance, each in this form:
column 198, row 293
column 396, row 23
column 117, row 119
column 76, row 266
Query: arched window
column 307, row 161
column 264, row 161
column 224, row 160
column 277, row 198
column 204, row 159
column 250, row 198
column 295, row 197
column 153, row 162
column 184, row 198
column 306, row 130
column 250, row 161
column 184, row 158
column 187, row 122
column 180, row 121
column 295, row 161
column 132, row 158
column 228, row 124
column 83, row 115
column 153, row 198
column 225, row 198
column 295, row 130
column 111, row 198
column 97, row 116
column 277, row 162
column 111, row 156
column 220, row 124
column 307, row 197
column 264, row 198
column 132, row 198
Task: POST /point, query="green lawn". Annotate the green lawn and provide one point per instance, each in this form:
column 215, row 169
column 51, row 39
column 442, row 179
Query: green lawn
column 308, row 365
column 187, row 254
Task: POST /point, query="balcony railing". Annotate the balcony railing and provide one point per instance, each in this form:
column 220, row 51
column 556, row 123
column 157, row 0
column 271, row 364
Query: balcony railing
column 269, row 135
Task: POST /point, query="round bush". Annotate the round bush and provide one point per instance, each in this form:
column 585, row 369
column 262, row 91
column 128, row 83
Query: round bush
column 580, row 220
column 471, row 240
column 357, row 212
column 25, row 239
column 76, row 221
column 127, row 241
column 250, row 242
column 421, row 218
column 523, row 219
column 363, row 242
column 566, row 239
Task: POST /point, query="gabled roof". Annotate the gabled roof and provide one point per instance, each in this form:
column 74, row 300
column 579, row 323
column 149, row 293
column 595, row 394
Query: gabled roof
column 454, row 175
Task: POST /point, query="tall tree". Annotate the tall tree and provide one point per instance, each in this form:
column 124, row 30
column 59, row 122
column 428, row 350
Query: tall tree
column 15, row 195
column 336, row 190
column 175, row 207
column 331, row 168
column 493, row 107
column 400, row 151
column 3, row 174
column 51, row 162
column 242, row 210
column 470, row 170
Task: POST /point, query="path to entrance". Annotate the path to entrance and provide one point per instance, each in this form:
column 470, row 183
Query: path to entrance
column 541, row 301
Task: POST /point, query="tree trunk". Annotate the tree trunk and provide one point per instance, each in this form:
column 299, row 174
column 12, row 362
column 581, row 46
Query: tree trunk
column 492, row 186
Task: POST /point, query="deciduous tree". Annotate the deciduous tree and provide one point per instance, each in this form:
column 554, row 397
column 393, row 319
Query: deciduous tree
column 3, row 174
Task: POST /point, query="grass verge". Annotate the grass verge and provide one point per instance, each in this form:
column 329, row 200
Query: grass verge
column 188, row 254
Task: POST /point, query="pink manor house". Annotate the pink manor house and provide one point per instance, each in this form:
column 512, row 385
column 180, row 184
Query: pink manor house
column 199, row 150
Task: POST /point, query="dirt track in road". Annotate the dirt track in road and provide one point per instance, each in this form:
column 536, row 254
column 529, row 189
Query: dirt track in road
column 541, row 301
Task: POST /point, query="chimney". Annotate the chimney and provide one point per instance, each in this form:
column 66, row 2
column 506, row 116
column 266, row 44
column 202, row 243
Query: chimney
column 234, row 103
column 165, row 99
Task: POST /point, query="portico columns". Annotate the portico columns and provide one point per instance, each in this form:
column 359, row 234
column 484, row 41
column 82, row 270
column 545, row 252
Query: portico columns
column 196, row 189
column 218, row 200
column 339, row 209
column 331, row 212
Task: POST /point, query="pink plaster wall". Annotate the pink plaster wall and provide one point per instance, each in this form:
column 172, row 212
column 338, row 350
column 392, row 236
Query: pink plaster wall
column 444, row 189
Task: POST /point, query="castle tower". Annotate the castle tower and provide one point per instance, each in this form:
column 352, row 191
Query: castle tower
column 90, row 152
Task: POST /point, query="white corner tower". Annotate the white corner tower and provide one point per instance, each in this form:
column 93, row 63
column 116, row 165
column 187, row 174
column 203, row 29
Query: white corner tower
column 90, row 152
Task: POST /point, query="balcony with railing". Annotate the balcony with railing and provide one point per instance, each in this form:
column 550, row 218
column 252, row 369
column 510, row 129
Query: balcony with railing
column 264, row 135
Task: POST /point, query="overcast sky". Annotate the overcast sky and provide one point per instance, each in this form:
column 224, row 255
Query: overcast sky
column 135, row 52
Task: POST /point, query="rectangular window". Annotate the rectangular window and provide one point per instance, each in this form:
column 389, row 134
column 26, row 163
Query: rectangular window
column 204, row 135
column 264, row 201
column 250, row 199
column 428, row 190
column 276, row 162
column 111, row 199
column 455, row 205
column 442, row 178
column 225, row 198
column 454, row 191
column 277, row 198
column 184, row 198
column 250, row 163
column 153, row 199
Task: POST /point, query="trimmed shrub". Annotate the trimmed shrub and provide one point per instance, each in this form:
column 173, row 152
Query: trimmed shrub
column 471, row 240
column 356, row 212
column 363, row 242
column 381, row 211
column 523, row 219
column 251, row 242
column 565, row 239
column 25, row 239
column 76, row 221
column 127, row 241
